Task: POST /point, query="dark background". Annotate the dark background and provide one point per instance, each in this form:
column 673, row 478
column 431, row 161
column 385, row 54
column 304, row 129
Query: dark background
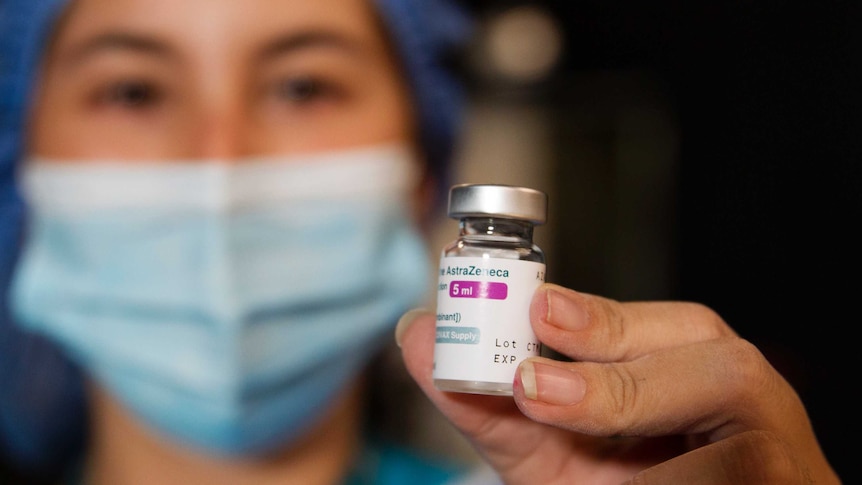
column 764, row 208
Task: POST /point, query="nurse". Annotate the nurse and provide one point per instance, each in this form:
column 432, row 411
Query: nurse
column 219, row 215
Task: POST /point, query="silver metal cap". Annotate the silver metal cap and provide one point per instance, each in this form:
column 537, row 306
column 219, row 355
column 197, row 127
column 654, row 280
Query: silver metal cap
column 498, row 200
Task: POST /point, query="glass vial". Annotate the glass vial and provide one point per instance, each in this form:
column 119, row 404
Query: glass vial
column 487, row 278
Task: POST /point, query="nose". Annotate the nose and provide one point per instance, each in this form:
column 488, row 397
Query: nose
column 216, row 124
column 218, row 131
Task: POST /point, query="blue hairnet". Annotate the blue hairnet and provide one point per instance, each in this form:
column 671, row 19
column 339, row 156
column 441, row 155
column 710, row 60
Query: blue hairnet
column 425, row 32
column 42, row 409
column 41, row 392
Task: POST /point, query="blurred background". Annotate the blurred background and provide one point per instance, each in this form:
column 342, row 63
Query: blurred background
column 705, row 151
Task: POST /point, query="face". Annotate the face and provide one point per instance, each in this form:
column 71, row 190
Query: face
column 144, row 80
column 204, row 79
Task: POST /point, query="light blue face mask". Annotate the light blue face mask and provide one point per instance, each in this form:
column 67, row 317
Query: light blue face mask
column 225, row 304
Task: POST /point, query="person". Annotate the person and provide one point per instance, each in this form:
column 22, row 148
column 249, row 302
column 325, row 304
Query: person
column 217, row 206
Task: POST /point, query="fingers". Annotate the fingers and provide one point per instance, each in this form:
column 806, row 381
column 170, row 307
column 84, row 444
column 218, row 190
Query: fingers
column 564, row 422
column 717, row 387
column 646, row 369
column 656, row 369
column 588, row 327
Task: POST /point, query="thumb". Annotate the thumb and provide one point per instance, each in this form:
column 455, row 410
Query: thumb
column 415, row 334
column 489, row 422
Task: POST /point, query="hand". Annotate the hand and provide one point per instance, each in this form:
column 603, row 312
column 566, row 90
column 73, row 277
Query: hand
column 658, row 392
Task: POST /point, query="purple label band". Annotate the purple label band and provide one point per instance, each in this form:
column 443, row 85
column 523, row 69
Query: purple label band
column 478, row 289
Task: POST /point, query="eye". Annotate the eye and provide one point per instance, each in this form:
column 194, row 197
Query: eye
column 304, row 90
column 131, row 94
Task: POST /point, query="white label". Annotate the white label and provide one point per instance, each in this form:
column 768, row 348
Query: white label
column 483, row 318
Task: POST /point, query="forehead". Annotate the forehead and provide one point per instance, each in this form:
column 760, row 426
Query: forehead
column 221, row 27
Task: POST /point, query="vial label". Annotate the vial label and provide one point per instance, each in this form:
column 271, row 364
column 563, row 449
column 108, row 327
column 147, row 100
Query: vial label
column 483, row 318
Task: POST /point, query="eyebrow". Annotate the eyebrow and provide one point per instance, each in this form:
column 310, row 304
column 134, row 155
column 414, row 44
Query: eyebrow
column 297, row 41
column 117, row 41
column 144, row 44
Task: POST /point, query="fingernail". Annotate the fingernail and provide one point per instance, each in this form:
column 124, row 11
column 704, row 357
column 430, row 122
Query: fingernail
column 551, row 384
column 405, row 321
column 563, row 312
column 528, row 379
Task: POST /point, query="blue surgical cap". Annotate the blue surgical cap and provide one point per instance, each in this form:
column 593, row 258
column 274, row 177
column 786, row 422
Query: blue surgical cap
column 42, row 408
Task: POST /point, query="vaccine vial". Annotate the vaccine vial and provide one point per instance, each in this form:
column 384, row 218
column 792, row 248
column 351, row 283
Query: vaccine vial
column 487, row 278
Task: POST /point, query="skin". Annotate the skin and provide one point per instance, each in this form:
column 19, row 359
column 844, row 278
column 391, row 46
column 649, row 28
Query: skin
column 660, row 393
column 135, row 80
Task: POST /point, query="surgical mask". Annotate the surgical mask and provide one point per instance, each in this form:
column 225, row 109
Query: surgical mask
column 226, row 305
